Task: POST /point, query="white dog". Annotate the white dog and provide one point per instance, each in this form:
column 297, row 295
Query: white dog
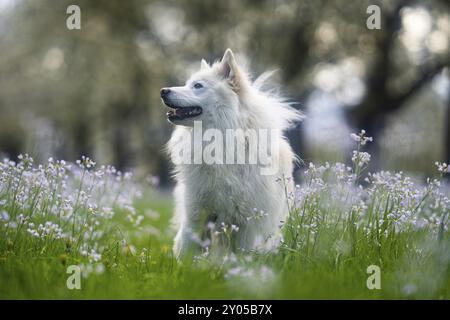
column 236, row 202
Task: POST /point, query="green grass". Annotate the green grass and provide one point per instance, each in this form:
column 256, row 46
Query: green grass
column 28, row 276
column 335, row 231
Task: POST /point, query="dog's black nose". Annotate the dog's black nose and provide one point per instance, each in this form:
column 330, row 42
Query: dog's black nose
column 164, row 92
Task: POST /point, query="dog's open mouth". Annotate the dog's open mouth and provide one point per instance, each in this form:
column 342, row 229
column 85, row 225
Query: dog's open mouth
column 181, row 113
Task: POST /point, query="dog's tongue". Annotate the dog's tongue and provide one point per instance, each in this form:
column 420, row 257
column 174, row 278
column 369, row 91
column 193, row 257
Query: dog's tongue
column 185, row 112
column 176, row 112
column 181, row 112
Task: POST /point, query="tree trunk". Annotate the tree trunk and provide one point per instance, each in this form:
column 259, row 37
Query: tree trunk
column 296, row 140
column 447, row 134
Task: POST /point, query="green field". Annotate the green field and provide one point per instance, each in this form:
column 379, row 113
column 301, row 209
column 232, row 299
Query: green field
column 118, row 231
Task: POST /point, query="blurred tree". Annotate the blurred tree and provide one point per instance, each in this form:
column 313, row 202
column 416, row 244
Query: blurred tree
column 380, row 100
column 95, row 91
column 447, row 134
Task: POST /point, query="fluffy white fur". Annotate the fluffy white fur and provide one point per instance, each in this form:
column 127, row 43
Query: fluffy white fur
column 229, row 193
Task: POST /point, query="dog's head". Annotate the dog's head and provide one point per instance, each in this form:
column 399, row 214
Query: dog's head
column 209, row 95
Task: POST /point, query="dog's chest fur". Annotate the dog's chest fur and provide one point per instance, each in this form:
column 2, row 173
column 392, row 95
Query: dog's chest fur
column 227, row 193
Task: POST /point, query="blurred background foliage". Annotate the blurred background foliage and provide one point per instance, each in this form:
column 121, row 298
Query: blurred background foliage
column 95, row 91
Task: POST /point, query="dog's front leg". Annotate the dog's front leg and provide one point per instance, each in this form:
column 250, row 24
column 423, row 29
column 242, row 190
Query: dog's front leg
column 184, row 242
column 189, row 236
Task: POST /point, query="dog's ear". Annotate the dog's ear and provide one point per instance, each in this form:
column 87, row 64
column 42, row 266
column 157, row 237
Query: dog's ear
column 229, row 68
column 204, row 65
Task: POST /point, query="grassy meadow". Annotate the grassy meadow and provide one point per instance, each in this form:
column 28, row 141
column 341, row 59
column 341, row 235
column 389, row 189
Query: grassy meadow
column 116, row 228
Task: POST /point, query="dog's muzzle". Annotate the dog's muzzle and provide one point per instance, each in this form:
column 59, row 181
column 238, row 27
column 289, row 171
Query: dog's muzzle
column 179, row 112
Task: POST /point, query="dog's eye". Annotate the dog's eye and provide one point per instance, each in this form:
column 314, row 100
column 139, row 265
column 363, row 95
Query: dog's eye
column 198, row 85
